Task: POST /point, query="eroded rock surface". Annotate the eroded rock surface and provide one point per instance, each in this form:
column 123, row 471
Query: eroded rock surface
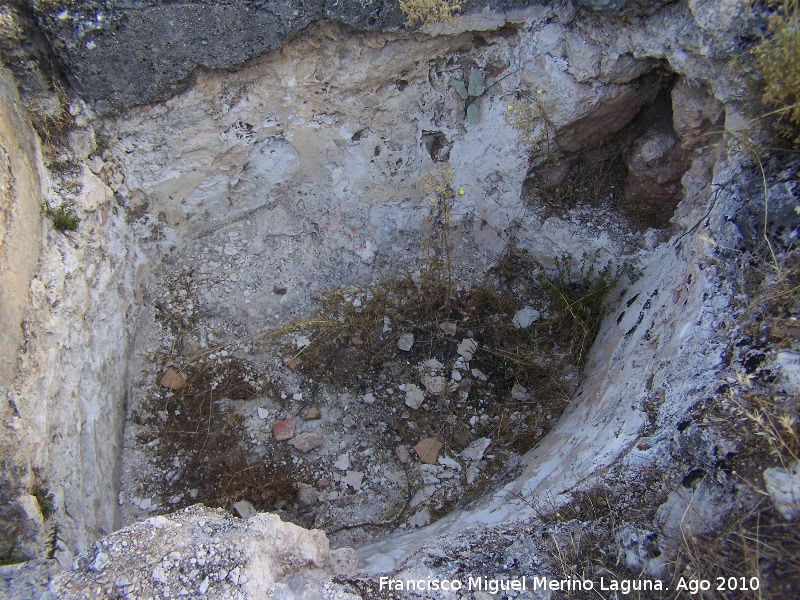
column 221, row 211
column 205, row 552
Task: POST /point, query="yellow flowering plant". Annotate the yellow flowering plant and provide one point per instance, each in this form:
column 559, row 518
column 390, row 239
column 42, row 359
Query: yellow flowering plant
column 529, row 119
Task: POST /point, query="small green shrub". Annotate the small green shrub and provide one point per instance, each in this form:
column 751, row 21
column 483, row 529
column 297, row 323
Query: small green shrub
column 45, row 499
column 53, row 540
column 578, row 292
column 64, row 217
column 778, row 64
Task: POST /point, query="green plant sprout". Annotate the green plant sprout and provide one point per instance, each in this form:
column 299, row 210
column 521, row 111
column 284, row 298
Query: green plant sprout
column 471, row 92
column 53, row 540
column 64, row 217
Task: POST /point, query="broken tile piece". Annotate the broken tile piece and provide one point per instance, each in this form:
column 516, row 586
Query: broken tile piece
column 173, row 380
column 428, row 450
column 283, row 430
column 313, row 413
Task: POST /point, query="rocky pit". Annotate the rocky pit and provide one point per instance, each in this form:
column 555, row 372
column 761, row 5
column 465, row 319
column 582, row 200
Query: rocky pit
column 541, row 367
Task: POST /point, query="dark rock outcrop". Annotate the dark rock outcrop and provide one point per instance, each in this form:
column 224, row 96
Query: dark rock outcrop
column 120, row 54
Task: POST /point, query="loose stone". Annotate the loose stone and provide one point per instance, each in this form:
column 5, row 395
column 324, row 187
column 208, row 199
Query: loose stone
column 306, row 494
column 354, row 479
column 524, row 317
column 402, row 454
column 448, row 327
column 343, row 462
column 476, row 449
column 244, row 509
column 305, row 442
column 467, row 348
column 405, row 342
column 519, row 393
column 414, row 396
column 283, row 430
column 434, row 385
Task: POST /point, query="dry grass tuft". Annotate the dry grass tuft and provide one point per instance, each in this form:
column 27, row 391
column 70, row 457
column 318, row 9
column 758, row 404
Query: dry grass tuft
column 354, row 343
column 770, row 422
column 534, row 129
column 429, row 12
column 755, row 556
column 201, row 443
column 778, row 64
column 756, row 542
column 52, row 123
column 571, row 303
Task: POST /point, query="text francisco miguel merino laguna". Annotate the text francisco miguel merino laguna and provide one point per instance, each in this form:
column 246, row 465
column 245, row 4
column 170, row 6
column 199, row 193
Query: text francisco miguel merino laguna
column 493, row 586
